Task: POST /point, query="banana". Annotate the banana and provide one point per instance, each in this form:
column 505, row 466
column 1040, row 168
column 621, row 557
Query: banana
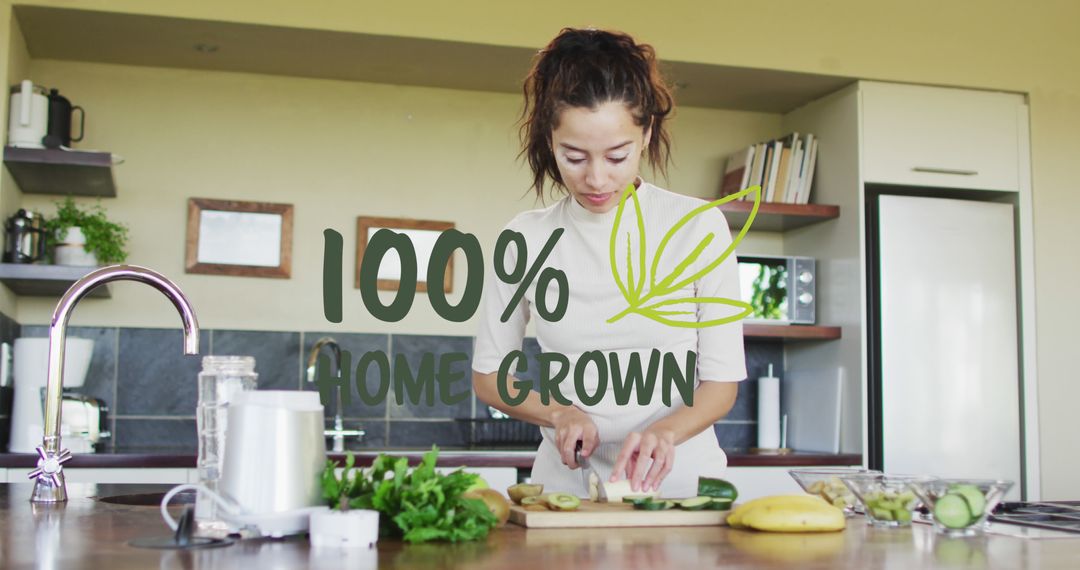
column 735, row 518
column 795, row 518
column 787, row 513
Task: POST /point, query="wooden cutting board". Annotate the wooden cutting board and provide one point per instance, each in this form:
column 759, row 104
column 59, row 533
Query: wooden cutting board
column 592, row 514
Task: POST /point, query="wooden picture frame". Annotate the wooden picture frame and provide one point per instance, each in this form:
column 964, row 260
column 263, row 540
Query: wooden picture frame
column 422, row 233
column 246, row 239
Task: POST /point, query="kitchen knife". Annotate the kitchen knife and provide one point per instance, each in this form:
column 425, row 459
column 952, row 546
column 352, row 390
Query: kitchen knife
column 586, row 471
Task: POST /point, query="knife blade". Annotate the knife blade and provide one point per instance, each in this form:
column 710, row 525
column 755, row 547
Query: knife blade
column 587, row 471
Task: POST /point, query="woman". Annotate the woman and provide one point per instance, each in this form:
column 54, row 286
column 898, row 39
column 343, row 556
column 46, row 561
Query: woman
column 595, row 104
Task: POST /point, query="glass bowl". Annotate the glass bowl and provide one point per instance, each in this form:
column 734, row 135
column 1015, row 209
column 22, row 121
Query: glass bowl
column 825, row 482
column 959, row 507
column 887, row 500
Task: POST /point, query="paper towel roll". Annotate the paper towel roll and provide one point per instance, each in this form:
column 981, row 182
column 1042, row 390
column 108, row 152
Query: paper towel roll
column 769, row 411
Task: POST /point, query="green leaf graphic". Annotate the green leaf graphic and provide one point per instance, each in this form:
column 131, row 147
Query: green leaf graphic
column 632, row 292
column 653, row 313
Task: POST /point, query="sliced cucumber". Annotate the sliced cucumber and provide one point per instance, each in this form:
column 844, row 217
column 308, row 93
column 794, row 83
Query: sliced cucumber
column 953, row 511
column 635, row 499
column 695, row 503
column 974, row 497
column 719, row 504
column 652, row 505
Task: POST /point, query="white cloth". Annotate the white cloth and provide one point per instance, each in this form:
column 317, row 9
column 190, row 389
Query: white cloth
column 583, row 253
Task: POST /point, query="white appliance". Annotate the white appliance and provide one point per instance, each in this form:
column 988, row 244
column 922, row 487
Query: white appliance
column 31, row 376
column 28, row 117
column 948, row 383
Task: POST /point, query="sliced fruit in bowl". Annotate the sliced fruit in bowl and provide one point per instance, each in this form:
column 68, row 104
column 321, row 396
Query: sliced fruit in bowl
column 887, row 500
column 825, row 482
column 959, row 507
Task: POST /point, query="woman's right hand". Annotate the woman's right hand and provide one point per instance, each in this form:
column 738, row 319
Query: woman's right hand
column 571, row 426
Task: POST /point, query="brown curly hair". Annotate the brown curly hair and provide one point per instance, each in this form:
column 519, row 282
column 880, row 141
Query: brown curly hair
column 587, row 68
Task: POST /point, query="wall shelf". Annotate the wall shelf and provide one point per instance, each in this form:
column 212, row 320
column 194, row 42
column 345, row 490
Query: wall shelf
column 46, row 280
column 61, row 172
column 790, row 332
column 777, row 217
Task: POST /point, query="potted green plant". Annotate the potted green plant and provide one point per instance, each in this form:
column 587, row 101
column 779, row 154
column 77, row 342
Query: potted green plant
column 85, row 236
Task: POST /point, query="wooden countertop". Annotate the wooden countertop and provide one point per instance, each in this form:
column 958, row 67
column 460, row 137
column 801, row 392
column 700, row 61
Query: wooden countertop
column 447, row 458
column 85, row 533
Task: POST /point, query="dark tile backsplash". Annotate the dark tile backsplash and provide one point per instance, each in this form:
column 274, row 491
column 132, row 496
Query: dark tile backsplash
column 277, row 355
column 150, row 434
column 9, row 329
column 153, row 375
column 444, row 433
column 151, row 387
column 355, row 344
column 414, row 348
column 732, row 436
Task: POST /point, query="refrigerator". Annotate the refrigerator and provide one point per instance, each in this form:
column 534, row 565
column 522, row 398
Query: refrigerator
column 945, row 383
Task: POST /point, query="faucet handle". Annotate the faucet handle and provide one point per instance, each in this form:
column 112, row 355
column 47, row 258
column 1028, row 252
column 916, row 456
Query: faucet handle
column 50, row 465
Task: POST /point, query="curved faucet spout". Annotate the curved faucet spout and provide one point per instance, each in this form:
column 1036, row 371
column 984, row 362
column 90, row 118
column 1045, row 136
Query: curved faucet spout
column 49, row 479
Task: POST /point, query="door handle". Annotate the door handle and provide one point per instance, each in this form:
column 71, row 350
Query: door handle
column 933, row 170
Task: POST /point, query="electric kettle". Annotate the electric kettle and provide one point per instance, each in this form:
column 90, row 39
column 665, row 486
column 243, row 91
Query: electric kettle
column 28, row 118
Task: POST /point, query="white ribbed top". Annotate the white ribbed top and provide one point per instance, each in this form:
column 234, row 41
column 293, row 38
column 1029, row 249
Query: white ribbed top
column 583, row 253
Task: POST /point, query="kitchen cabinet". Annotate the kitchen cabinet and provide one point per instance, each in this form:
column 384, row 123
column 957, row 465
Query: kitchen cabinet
column 941, row 137
column 877, row 138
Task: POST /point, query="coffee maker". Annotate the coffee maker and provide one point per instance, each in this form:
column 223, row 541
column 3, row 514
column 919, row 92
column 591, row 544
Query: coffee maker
column 83, row 419
column 24, row 238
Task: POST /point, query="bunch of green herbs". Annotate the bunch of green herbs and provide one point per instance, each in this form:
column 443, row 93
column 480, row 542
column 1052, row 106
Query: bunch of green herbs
column 106, row 239
column 419, row 505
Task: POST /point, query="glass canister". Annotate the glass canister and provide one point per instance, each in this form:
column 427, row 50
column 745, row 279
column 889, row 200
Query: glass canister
column 221, row 378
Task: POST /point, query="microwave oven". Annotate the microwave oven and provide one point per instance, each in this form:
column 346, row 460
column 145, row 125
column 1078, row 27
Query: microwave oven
column 781, row 289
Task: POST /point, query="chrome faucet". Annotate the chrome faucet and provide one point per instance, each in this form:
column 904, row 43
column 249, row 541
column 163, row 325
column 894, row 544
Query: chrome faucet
column 49, row 485
column 339, row 433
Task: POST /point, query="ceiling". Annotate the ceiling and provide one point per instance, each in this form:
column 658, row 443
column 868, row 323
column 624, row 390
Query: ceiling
column 131, row 39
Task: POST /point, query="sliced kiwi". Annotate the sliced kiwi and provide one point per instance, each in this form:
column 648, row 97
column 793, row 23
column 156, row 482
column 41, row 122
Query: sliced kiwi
column 563, row 502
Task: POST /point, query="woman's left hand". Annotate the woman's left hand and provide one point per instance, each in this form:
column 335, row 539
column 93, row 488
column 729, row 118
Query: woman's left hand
column 646, row 458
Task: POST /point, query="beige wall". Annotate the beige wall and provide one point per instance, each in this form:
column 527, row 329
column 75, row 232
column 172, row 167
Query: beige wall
column 1027, row 47
column 335, row 150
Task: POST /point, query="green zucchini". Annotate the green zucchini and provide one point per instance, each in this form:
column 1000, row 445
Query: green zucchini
column 718, row 488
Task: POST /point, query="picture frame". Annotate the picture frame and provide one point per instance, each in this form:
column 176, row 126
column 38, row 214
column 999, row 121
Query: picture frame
column 422, row 233
column 244, row 239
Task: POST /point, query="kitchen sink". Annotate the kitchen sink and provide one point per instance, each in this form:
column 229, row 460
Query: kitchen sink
column 149, row 499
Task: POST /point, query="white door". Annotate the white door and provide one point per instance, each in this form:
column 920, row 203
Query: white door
column 949, row 348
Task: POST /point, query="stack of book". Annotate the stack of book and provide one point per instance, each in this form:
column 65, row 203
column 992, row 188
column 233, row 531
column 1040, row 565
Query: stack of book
column 784, row 168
